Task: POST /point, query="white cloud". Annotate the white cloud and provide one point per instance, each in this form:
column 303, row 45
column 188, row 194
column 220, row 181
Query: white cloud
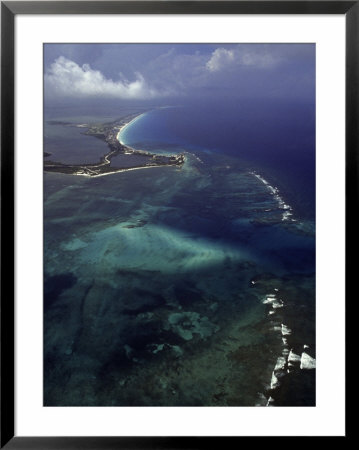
column 242, row 55
column 220, row 58
column 66, row 78
column 259, row 59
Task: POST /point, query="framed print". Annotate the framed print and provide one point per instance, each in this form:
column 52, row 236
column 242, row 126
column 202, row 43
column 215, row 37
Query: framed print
column 203, row 299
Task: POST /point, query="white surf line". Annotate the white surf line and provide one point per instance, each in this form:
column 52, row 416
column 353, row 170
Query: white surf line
column 289, row 360
column 126, row 125
column 286, row 216
column 195, row 156
column 130, row 150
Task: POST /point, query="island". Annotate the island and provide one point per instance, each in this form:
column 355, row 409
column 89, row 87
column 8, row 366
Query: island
column 109, row 133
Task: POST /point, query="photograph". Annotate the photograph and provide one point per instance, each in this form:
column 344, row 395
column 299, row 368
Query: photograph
column 193, row 283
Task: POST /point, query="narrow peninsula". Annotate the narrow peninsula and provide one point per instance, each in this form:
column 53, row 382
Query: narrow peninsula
column 109, row 132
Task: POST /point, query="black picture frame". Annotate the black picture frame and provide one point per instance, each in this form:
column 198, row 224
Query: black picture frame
column 9, row 9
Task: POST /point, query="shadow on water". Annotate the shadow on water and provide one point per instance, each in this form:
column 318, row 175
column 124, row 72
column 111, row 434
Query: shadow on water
column 55, row 285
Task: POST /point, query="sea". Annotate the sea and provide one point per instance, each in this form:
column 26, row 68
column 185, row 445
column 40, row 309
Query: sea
column 182, row 286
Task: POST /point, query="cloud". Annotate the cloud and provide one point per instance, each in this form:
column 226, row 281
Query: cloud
column 184, row 71
column 258, row 56
column 220, row 58
column 66, row 78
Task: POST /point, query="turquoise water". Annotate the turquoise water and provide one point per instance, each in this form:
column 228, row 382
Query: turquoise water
column 156, row 284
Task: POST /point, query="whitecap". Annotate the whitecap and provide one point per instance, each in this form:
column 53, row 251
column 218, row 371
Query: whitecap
column 274, row 381
column 285, row 330
column 280, row 364
column 307, row 362
column 293, row 359
column 277, row 304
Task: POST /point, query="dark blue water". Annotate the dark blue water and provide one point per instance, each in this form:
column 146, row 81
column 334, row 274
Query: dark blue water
column 275, row 137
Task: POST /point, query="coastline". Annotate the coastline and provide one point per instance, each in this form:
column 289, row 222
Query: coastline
column 110, row 133
column 126, row 125
column 120, row 170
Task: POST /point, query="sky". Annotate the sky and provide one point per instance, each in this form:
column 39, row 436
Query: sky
column 178, row 72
